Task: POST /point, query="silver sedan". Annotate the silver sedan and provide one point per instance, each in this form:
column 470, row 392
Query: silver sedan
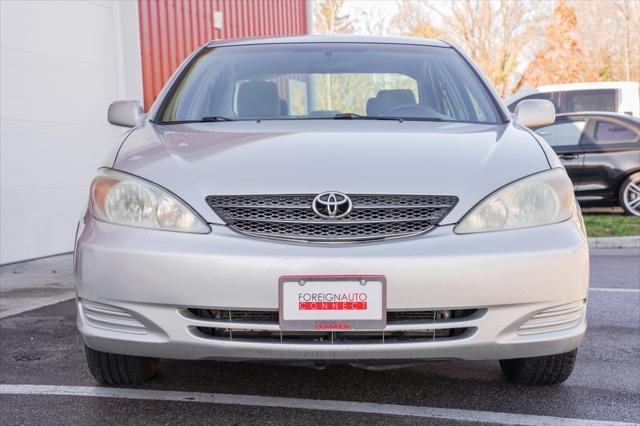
column 318, row 200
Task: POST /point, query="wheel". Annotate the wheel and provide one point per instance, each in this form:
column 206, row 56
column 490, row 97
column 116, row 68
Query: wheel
column 114, row 369
column 629, row 195
column 540, row 370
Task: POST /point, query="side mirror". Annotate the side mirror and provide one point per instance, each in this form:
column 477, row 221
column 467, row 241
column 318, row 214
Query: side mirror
column 535, row 112
column 126, row 113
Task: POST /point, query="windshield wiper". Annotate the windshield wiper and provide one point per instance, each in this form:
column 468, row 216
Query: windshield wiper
column 423, row 119
column 215, row 118
column 354, row 116
column 202, row 120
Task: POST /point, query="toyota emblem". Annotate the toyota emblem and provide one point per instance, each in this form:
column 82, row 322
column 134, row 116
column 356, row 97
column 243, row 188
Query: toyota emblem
column 332, row 205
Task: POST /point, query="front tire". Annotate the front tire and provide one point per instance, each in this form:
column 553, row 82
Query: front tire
column 115, row 369
column 540, row 370
column 629, row 195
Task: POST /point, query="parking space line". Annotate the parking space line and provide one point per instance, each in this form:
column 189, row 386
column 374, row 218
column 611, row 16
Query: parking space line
column 615, row 290
column 12, row 308
column 306, row 404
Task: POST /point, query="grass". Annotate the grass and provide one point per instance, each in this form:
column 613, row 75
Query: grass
column 611, row 225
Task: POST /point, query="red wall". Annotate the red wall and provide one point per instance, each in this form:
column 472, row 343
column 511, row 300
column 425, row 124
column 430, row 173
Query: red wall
column 171, row 29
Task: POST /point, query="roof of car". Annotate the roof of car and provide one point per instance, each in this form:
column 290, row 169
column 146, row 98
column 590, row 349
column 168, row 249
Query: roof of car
column 628, row 119
column 329, row 39
column 601, row 114
column 526, row 91
column 588, row 85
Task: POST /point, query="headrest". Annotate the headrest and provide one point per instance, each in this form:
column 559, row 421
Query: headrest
column 284, row 107
column 372, row 107
column 258, row 99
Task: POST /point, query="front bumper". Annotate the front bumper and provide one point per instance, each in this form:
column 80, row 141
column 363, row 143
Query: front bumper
column 134, row 284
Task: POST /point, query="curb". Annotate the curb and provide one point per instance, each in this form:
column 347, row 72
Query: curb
column 615, row 242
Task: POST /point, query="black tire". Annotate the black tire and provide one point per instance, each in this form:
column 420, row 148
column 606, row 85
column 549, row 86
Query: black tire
column 634, row 178
column 114, row 369
column 540, row 370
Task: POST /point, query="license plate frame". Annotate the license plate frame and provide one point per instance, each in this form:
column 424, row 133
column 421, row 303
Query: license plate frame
column 376, row 319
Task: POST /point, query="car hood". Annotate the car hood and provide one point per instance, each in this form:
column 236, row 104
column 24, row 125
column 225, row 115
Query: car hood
column 311, row 156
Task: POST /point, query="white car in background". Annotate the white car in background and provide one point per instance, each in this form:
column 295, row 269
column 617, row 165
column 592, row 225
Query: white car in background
column 610, row 96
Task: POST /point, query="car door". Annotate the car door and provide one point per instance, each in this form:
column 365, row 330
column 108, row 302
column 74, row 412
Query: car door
column 564, row 136
column 611, row 152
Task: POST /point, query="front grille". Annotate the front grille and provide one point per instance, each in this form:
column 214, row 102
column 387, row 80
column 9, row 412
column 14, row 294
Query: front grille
column 261, row 327
column 271, row 317
column 328, row 337
column 234, row 315
column 292, row 217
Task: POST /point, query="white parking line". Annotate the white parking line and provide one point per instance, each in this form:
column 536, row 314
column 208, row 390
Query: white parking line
column 307, row 404
column 13, row 307
column 615, row 290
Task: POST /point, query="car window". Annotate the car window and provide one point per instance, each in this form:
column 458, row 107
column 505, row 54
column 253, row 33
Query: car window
column 295, row 91
column 546, row 96
column 589, row 100
column 608, row 132
column 320, row 80
column 563, row 134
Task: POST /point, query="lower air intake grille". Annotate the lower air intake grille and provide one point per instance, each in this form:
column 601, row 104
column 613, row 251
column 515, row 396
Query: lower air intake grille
column 292, row 216
column 319, row 337
column 272, row 316
column 262, row 327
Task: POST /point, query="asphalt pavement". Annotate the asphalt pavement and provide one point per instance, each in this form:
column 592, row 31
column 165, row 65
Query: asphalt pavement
column 42, row 351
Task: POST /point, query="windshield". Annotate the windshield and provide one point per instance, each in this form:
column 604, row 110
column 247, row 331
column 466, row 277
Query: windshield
column 328, row 81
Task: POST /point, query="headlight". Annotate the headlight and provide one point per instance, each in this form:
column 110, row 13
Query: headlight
column 540, row 199
column 127, row 200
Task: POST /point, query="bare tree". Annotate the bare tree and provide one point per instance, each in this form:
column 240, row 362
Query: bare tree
column 589, row 41
column 328, row 18
column 496, row 34
column 515, row 42
column 373, row 21
column 609, row 34
column 415, row 19
column 560, row 59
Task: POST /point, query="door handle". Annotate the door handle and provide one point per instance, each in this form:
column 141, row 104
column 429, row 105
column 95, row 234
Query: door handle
column 569, row 156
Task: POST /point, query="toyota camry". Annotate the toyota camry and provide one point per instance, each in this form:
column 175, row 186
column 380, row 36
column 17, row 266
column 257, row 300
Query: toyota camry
column 315, row 200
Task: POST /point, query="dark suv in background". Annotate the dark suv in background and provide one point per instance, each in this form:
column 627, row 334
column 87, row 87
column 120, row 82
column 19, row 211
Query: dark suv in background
column 601, row 152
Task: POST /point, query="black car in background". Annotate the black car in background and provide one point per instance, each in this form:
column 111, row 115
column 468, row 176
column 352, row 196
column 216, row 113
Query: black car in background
column 601, row 152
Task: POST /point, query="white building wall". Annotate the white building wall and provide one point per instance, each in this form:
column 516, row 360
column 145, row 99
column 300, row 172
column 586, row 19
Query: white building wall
column 61, row 64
